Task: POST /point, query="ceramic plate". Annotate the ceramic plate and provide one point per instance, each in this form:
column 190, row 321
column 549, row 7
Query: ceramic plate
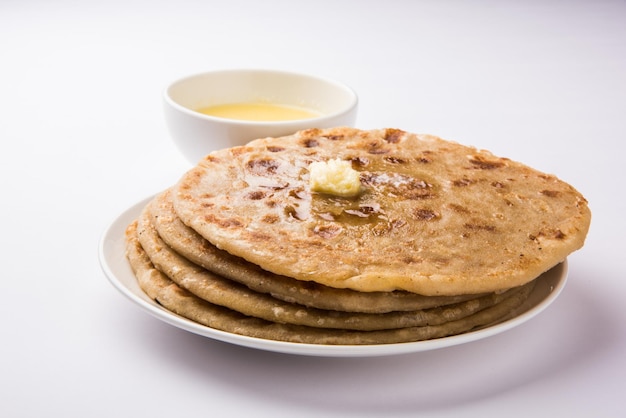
column 117, row 270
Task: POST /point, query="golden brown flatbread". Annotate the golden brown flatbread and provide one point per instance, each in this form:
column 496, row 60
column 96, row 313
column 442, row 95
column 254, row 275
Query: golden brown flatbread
column 224, row 292
column 190, row 245
column 184, row 303
column 434, row 218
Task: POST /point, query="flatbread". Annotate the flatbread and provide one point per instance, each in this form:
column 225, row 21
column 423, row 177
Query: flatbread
column 184, row 303
column 435, row 217
column 224, row 292
column 190, row 245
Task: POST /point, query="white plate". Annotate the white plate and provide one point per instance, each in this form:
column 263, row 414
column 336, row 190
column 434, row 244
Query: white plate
column 117, row 270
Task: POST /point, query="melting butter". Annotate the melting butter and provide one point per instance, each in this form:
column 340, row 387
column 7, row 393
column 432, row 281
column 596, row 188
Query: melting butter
column 334, row 177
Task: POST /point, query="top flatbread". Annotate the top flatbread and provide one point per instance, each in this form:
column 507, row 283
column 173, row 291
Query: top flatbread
column 435, row 217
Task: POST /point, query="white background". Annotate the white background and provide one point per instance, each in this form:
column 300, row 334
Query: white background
column 83, row 138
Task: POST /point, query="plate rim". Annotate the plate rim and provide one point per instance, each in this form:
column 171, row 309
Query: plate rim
column 111, row 256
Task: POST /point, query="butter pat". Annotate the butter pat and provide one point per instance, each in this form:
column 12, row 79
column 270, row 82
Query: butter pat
column 334, row 177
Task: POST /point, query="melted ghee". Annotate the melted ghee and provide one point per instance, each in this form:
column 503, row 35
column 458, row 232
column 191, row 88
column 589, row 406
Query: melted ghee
column 268, row 112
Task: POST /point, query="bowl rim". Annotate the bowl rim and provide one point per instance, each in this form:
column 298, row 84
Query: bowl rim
column 351, row 106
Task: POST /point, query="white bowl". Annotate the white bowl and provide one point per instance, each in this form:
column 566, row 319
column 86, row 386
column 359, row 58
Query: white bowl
column 196, row 134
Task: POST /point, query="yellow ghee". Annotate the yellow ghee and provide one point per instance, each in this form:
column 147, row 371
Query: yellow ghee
column 269, row 112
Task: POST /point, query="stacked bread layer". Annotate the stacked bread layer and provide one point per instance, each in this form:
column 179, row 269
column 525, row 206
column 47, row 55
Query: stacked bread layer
column 189, row 276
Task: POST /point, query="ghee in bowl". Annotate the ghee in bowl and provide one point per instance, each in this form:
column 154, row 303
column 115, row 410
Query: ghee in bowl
column 242, row 105
column 259, row 111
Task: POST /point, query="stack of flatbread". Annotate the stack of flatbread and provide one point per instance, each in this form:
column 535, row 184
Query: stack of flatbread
column 440, row 240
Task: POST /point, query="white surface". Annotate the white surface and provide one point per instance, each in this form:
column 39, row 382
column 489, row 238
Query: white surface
column 112, row 249
column 83, row 138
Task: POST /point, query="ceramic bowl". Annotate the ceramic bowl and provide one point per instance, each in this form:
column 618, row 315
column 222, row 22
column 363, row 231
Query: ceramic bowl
column 196, row 134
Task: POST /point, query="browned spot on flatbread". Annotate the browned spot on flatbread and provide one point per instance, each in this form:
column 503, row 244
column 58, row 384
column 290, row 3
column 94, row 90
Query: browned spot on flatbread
column 263, row 166
column 270, row 219
column 425, row 214
column 462, row 182
column 376, row 148
column 483, row 163
column 275, row 149
column 310, row 142
column 418, row 193
column 480, row 227
column 395, row 160
column 393, row 136
column 222, row 222
column 211, row 159
column 553, row 233
column 327, row 231
column 256, row 195
column 459, row 208
column 550, row 193
column 259, row 237
column 411, row 260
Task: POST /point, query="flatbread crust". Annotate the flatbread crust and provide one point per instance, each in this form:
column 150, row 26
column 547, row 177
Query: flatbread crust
column 435, row 217
column 184, row 303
